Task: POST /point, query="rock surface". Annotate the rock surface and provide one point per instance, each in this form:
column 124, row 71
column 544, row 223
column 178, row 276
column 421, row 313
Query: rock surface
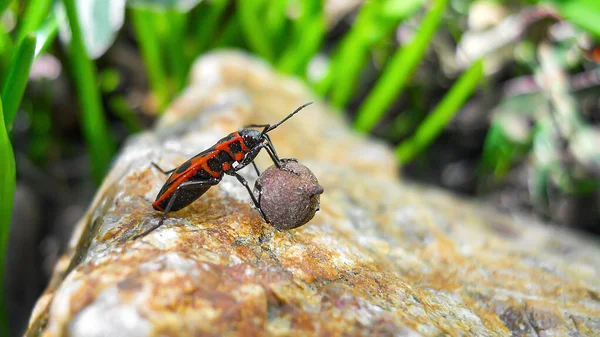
column 381, row 257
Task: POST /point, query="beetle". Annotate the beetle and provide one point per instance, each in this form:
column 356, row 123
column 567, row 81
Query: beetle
column 194, row 177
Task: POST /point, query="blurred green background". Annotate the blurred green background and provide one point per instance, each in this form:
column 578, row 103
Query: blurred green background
column 497, row 100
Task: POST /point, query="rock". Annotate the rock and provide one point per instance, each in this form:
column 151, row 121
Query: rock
column 381, row 257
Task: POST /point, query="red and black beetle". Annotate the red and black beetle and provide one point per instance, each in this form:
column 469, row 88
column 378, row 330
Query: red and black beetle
column 194, row 177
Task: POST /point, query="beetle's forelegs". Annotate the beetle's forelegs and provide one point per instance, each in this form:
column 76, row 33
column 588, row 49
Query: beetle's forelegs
column 279, row 162
column 271, row 151
column 256, row 169
column 245, row 183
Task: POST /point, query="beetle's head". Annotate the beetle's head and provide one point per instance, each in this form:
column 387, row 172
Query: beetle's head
column 252, row 137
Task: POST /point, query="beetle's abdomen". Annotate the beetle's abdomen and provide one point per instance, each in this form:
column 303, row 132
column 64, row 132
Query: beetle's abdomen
column 183, row 197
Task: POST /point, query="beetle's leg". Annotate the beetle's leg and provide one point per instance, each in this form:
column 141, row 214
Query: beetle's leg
column 185, row 185
column 252, row 154
column 270, row 142
column 271, row 151
column 245, row 183
column 249, row 158
column 256, row 168
column 278, row 162
column 161, row 170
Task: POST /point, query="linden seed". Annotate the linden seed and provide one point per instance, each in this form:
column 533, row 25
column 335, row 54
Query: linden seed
column 289, row 197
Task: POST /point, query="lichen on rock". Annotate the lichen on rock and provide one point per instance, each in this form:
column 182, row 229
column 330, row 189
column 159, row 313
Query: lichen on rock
column 380, row 258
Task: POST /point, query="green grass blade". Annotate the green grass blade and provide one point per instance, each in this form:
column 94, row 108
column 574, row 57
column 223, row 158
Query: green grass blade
column 40, row 133
column 6, row 52
column 584, row 13
column 500, row 152
column 172, row 35
column 249, row 16
column 46, row 34
column 4, row 5
column 351, row 56
column 7, row 193
column 32, row 17
column 345, row 52
column 309, row 40
column 433, row 125
column 120, row 108
column 376, row 21
column 230, row 36
column 398, row 72
column 207, row 26
column 143, row 23
column 95, row 129
column 347, row 69
column 322, row 84
column 18, row 75
column 276, row 22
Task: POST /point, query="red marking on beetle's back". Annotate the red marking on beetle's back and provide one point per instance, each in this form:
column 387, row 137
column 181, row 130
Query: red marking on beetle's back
column 156, row 205
column 244, row 147
column 177, row 179
column 226, row 166
column 224, row 146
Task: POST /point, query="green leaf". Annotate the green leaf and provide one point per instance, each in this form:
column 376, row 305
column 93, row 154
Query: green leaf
column 276, row 22
column 501, row 150
column 120, row 107
column 510, row 136
column 347, row 68
column 100, row 142
column 18, row 75
column 399, row 9
column 231, row 35
column 7, row 192
column 6, row 50
column 309, row 33
column 46, row 34
column 386, row 16
column 4, row 5
column 99, row 20
column 180, row 5
column 249, row 14
column 32, row 17
column 584, row 13
column 143, row 22
column 398, row 71
column 433, row 125
column 375, row 21
column 207, row 25
column 169, row 31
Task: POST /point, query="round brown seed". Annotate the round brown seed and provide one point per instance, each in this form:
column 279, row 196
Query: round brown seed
column 289, row 197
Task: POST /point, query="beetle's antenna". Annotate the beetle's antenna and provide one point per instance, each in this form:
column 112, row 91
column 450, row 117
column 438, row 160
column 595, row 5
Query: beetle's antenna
column 288, row 117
